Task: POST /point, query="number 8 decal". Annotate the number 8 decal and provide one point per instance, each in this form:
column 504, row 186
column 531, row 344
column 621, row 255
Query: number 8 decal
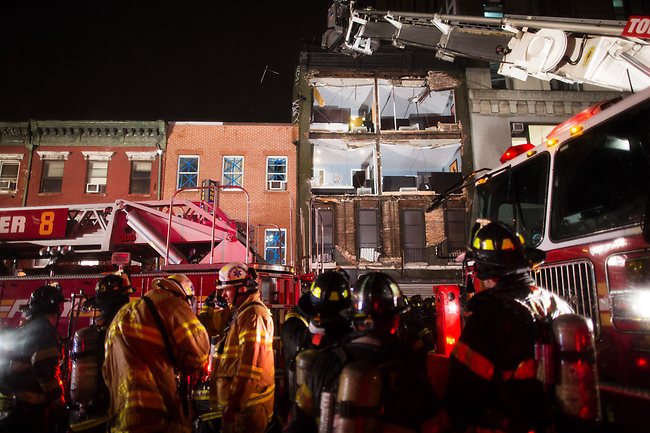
column 47, row 223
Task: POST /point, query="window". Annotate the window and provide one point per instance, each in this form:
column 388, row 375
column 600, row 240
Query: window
column 96, row 177
column 188, row 172
column 233, row 171
column 276, row 173
column 52, row 180
column 140, row 177
column 323, row 234
column 9, row 175
column 275, row 246
column 516, row 197
column 601, row 178
column 413, row 235
column 368, row 234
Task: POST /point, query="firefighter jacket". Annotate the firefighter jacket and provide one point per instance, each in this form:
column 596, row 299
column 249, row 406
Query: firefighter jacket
column 492, row 382
column 407, row 399
column 138, row 370
column 34, row 370
column 246, row 372
column 215, row 319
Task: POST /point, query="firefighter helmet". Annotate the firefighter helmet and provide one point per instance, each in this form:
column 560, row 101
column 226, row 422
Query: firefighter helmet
column 328, row 296
column 377, row 295
column 113, row 287
column 239, row 275
column 46, row 300
column 497, row 250
column 178, row 284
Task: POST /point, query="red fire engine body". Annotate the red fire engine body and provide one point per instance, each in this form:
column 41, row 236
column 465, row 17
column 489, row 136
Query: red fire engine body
column 77, row 245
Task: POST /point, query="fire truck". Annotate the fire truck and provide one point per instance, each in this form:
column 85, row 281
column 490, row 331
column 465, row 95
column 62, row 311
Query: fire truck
column 582, row 196
column 76, row 245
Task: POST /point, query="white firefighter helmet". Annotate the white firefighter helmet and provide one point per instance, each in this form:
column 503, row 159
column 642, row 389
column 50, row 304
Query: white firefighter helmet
column 236, row 274
column 179, row 284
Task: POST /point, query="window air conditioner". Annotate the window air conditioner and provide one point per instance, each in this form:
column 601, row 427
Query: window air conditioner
column 408, row 189
column 7, row 184
column 409, row 128
column 364, row 191
column 93, row 187
column 277, row 185
column 517, row 127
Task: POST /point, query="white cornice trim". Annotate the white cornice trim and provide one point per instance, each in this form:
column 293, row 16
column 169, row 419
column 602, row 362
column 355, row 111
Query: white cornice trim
column 11, row 156
column 98, row 156
column 50, row 155
column 141, row 156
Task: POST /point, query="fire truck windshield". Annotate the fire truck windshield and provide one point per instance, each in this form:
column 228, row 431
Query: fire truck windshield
column 516, row 196
column 602, row 177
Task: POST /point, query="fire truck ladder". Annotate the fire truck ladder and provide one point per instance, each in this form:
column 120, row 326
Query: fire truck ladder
column 96, row 230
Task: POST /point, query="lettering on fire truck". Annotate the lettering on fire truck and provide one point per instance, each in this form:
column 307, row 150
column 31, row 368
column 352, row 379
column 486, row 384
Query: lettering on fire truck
column 637, row 27
column 32, row 224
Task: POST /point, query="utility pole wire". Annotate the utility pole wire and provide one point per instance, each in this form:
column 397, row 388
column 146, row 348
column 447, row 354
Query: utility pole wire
column 266, row 68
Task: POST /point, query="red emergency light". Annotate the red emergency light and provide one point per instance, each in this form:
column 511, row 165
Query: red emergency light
column 514, row 151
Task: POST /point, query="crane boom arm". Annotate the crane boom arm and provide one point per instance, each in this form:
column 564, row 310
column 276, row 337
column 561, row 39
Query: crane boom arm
column 566, row 49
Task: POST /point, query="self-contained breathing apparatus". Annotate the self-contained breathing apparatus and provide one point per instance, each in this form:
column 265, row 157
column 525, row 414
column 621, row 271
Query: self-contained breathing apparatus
column 565, row 353
column 89, row 398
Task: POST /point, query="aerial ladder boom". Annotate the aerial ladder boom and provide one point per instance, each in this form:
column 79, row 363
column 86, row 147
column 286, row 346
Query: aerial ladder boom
column 566, row 49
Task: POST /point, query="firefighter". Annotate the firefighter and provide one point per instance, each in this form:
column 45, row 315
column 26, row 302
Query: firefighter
column 152, row 345
column 492, row 380
column 34, row 377
column 88, row 392
column 215, row 315
column 315, row 322
column 246, row 371
column 402, row 400
column 321, row 326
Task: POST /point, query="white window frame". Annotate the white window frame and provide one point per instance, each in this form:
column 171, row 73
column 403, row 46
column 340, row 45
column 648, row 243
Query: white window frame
column 9, row 184
column 223, row 171
column 283, row 183
column 284, row 247
column 96, row 184
column 179, row 172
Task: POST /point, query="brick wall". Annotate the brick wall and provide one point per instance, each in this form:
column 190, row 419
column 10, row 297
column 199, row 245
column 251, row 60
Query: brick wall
column 211, row 141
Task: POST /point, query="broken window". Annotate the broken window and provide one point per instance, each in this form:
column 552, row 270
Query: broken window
column 414, row 108
column 188, row 171
column 419, row 168
column 343, row 105
column 348, row 105
column 342, row 169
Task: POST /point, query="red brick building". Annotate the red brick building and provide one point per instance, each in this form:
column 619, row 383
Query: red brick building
column 259, row 158
column 44, row 163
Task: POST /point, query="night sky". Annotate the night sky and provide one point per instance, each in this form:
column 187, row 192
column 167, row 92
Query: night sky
column 142, row 60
